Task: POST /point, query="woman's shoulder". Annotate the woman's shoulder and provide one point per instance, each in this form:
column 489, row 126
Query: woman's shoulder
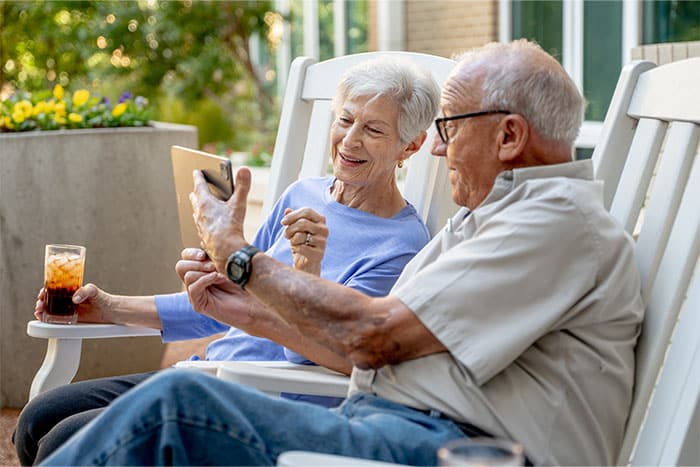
column 309, row 184
column 304, row 189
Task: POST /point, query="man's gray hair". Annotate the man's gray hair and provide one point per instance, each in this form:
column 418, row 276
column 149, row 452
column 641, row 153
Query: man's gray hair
column 515, row 79
column 414, row 89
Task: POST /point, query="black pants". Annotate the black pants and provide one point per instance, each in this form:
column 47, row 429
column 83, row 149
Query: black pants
column 52, row 417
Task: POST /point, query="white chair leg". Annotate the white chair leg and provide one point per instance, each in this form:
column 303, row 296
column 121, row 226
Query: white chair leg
column 59, row 367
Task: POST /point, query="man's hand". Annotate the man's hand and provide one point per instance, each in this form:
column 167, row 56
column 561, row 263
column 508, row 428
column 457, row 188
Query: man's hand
column 212, row 293
column 307, row 233
column 94, row 305
column 220, row 223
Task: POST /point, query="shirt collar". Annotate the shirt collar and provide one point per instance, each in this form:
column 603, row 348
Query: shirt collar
column 508, row 180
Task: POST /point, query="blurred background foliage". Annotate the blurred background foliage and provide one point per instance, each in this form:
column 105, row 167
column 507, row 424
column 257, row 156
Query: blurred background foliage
column 191, row 59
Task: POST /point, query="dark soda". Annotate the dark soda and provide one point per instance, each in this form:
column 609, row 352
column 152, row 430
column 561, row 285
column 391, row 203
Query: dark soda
column 59, row 302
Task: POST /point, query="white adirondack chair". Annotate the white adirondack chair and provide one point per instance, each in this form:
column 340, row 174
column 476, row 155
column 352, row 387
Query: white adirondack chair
column 301, row 150
column 662, row 109
column 649, row 151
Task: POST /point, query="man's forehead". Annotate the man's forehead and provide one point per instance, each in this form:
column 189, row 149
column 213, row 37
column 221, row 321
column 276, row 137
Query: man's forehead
column 460, row 92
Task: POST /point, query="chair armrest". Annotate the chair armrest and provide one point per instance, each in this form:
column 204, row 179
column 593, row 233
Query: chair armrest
column 316, row 459
column 86, row 331
column 212, row 366
column 63, row 349
column 277, row 377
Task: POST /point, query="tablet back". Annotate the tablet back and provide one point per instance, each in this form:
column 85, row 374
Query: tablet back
column 217, row 171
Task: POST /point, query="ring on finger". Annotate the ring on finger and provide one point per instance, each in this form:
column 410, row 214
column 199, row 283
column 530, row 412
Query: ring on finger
column 307, row 242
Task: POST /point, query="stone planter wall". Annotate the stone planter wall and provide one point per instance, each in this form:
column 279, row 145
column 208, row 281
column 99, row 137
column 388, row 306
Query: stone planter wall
column 108, row 189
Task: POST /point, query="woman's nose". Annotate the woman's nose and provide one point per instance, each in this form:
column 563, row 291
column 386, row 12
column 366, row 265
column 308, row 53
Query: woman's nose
column 353, row 137
column 438, row 148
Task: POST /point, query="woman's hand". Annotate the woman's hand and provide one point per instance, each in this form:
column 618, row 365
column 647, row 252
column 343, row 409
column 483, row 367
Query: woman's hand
column 94, row 304
column 307, row 233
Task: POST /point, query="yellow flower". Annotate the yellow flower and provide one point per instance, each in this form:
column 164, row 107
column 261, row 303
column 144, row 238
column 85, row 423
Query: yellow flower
column 17, row 115
column 8, row 123
column 80, row 97
column 39, row 108
column 25, row 107
column 50, row 106
column 119, row 109
column 58, row 92
column 75, row 118
column 60, row 108
column 59, row 119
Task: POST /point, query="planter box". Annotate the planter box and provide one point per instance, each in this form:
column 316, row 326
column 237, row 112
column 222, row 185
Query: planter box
column 108, row 189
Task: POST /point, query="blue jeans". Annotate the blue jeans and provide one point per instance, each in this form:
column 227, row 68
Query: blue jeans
column 181, row 417
column 52, row 417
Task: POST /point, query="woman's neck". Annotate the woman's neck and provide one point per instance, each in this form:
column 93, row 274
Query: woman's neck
column 385, row 202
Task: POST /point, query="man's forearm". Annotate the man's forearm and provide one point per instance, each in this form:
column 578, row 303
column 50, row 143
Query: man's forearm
column 322, row 310
column 280, row 331
column 370, row 332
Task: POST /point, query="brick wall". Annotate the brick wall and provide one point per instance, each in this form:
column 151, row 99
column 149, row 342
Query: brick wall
column 666, row 53
column 450, row 26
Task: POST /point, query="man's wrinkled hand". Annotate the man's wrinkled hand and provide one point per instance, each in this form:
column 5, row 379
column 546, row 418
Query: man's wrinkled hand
column 214, row 295
column 220, row 223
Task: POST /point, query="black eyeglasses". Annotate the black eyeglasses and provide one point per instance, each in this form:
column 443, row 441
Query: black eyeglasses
column 441, row 123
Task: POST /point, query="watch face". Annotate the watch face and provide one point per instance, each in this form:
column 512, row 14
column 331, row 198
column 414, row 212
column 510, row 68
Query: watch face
column 235, row 270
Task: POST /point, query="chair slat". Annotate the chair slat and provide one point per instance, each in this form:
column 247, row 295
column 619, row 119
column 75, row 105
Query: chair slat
column 294, row 121
column 317, row 152
column 639, row 166
column 681, row 145
column 618, row 130
column 670, row 92
column 322, row 78
column 670, row 414
column 664, row 301
column 433, row 203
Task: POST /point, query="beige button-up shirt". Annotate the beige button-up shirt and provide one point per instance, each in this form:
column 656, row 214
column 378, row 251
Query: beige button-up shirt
column 536, row 295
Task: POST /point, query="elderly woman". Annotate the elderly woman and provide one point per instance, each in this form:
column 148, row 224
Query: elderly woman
column 354, row 228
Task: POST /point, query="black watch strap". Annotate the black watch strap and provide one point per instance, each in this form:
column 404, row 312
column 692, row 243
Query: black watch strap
column 239, row 265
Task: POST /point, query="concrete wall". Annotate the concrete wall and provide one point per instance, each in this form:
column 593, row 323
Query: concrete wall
column 108, row 189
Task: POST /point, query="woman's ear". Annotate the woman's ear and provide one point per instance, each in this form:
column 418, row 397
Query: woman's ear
column 413, row 146
column 513, row 134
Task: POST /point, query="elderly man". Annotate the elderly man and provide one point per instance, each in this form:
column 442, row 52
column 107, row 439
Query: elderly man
column 519, row 320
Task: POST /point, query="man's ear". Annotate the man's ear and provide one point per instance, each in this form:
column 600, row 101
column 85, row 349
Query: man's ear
column 513, row 133
column 414, row 145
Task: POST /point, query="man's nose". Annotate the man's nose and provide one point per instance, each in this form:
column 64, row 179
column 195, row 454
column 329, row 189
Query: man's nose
column 438, row 148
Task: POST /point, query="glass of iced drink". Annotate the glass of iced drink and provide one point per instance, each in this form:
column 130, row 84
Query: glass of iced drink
column 63, row 275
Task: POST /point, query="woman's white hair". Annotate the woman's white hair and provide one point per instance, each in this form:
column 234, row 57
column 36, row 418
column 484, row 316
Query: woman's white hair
column 516, row 77
column 414, row 89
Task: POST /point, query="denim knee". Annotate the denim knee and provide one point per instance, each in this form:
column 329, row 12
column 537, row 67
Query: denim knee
column 31, row 427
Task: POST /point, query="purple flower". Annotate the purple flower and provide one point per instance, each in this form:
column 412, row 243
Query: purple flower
column 125, row 96
column 105, row 101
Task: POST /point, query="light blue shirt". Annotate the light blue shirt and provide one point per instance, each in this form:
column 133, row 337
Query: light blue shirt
column 363, row 251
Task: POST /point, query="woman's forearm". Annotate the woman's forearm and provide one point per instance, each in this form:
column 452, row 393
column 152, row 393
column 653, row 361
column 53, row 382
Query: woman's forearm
column 134, row 311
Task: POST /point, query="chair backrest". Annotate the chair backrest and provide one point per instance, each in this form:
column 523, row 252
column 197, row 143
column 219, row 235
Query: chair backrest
column 647, row 156
column 302, row 145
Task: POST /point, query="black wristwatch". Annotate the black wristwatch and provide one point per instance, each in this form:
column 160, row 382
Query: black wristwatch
column 238, row 266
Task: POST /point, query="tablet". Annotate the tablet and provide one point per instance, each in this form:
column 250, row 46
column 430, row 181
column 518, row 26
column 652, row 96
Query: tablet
column 218, row 173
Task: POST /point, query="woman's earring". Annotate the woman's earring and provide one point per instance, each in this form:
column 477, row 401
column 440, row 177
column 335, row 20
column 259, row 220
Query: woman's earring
column 400, row 164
